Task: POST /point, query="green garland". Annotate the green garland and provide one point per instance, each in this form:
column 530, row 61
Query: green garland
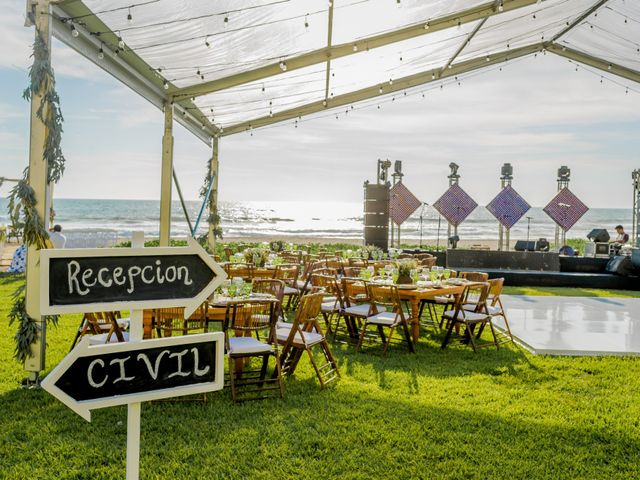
column 22, row 198
column 213, row 218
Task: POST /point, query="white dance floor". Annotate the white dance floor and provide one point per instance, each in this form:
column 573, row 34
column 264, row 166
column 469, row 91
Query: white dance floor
column 575, row 325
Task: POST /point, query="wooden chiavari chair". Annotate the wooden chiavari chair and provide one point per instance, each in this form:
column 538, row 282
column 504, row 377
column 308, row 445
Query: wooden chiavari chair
column 250, row 333
column 305, row 335
column 386, row 312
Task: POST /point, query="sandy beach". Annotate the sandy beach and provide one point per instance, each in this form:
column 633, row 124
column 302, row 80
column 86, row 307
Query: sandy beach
column 300, row 240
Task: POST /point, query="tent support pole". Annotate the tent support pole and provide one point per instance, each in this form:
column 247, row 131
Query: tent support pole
column 165, row 179
column 184, row 206
column 213, row 197
column 38, row 181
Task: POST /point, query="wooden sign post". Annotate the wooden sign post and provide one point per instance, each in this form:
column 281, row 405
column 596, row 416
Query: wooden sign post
column 90, row 280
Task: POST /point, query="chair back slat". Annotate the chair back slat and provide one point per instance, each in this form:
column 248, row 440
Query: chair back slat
column 474, row 276
column 240, row 270
column 247, row 316
column 352, row 291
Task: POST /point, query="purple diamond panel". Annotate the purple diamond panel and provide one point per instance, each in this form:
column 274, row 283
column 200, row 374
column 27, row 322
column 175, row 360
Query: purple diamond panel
column 508, row 207
column 402, row 203
column 455, row 205
column 566, row 209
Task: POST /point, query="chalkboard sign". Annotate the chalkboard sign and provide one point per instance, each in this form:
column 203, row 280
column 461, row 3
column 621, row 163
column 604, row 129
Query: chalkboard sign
column 120, row 373
column 110, row 279
column 98, row 279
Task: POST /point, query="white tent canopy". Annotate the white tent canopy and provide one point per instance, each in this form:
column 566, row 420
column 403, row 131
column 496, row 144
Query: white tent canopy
column 229, row 66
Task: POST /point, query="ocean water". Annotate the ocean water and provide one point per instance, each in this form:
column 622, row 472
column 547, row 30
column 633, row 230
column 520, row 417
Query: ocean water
column 89, row 223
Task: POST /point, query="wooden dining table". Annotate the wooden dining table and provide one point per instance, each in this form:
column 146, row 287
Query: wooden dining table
column 415, row 295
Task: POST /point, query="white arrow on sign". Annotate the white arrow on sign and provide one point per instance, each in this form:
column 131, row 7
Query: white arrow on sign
column 103, row 279
column 150, row 370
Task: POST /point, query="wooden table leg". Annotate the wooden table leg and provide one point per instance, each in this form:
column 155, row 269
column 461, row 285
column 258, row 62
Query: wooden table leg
column 415, row 319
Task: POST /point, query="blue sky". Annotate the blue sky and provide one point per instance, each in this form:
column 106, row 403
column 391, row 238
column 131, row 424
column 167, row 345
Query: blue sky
column 538, row 114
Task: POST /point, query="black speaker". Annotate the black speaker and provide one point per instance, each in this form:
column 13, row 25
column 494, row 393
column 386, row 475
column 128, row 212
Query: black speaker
column 620, row 265
column 599, row 235
column 542, row 245
column 523, row 246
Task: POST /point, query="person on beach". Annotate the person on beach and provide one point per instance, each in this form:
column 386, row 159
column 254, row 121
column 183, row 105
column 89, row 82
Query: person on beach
column 57, row 238
column 622, row 237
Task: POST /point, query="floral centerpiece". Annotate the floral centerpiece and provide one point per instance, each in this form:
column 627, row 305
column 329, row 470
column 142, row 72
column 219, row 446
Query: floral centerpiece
column 405, row 266
column 277, row 246
column 371, row 252
column 257, row 256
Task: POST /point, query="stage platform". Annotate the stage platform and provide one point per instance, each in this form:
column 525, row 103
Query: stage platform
column 530, row 278
column 580, row 326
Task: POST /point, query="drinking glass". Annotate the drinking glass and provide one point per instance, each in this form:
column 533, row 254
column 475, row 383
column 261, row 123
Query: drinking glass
column 232, row 289
column 446, row 274
column 415, row 276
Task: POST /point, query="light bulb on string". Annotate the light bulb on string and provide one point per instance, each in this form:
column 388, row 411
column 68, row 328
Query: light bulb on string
column 120, row 41
column 116, row 52
column 129, row 17
column 355, row 48
column 226, row 18
column 306, row 21
column 609, row 67
column 380, row 90
column 206, row 42
column 283, row 66
column 165, row 85
column 198, row 72
column 74, row 32
column 501, row 6
column 101, row 53
column 426, row 26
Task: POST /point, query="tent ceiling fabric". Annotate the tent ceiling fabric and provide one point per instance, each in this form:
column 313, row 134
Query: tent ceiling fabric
column 191, row 42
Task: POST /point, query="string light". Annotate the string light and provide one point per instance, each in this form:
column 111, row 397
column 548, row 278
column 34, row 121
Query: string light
column 380, row 90
column 306, row 21
column 488, row 58
column 283, row 66
column 129, row 17
column 165, row 85
column 226, row 18
column 74, row 32
column 609, row 67
column 426, row 26
column 501, row 6
column 101, row 52
column 355, row 48
column 206, row 42
column 120, row 41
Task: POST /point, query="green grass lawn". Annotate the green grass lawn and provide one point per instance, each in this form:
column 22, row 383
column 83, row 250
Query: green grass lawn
column 435, row 414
